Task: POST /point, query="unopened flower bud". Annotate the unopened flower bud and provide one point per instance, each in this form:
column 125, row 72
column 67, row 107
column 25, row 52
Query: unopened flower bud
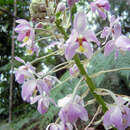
column 39, row 25
column 71, row 2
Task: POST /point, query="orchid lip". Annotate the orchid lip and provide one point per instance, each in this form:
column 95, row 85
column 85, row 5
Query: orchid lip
column 80, row 41
column 100, row 6
column 28, row 33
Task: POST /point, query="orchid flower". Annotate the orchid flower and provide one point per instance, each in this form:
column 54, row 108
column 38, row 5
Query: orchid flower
column 118, row 115
column 31, row 87
column 43, row 102
column 26, row 34
column 100, row 6
column 24, row 72
column 114, row 28
column 25, row 75
column 80, row 38
column 72, row 110
column 119, row 42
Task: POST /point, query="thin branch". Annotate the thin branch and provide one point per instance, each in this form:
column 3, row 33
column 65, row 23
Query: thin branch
column 43, row 57
column 107, row 71
column 12, row 66
column 86, row 92
column 62, row 82
column 97, row 112
column 7, row 12
column 59, row 65
column 76, row 88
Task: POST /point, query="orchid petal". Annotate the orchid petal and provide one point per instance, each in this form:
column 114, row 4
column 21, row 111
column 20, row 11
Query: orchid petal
column 88, row 50
column 80, row 22
column 108, row 47
column 19, row 59
column 102, row 14
column 41, row 107
column 35, row 99
column 22, row 21
column 27, row 89
column 106, row 31
column 70, row 50
column 116, row 117
column 123, row 43
column 21, row 36
column 91, row 37
column 117, row 30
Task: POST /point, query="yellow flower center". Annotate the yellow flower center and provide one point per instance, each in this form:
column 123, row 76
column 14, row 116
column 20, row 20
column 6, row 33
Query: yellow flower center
column 124, row 122
column 29, row 51
column 26, row 39
column 102, row 9
column 80, row 41
column 81, row 49
column 35, row 92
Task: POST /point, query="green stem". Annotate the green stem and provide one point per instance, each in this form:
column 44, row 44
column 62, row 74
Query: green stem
column 61, row 29
column 90, row 83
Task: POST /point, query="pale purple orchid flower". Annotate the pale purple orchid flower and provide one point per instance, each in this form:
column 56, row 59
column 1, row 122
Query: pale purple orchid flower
column 80, row 38
column 24, row 72
column 31, row 87
column 43, row 102
column 43, row 86
column 59, row 126
column 74, row 70
column 101, row 6
column 71, row 2
column 118, row 115
column 46, row 84
column 122, row 43
column 119, row 42
column 25, row 32
column 49, row 81
column 114, row 29
column 73, row 110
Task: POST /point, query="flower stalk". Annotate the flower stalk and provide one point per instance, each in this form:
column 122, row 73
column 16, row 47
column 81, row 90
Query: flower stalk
column 90, row 83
